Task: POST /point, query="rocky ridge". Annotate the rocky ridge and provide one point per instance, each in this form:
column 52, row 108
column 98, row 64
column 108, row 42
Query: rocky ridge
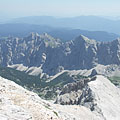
column 18, row 103
column 25, row 105
column 98, row 94
column 53, row 56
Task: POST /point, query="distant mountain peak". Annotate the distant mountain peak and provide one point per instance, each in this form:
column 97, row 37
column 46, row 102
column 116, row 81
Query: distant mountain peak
column 118, row 39
column 46, row 35
column 84, row 39
column 33, row 35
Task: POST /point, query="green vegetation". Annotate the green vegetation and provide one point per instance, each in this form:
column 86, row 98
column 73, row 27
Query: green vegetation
column 46, row 90
column 19, row 77
column 61, row 80
column 78, row 77
column 32, row 83
column 55, row 113
column 115, row 80
column 47, row 107
column 56, row 84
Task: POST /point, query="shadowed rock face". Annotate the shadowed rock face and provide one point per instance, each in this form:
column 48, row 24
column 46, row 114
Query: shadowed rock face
column 51, row 54
column 98, row 94
column 77, row 93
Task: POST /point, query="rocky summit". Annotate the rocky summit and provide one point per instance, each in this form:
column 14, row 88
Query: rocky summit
column 52, row 56
column 99, row 93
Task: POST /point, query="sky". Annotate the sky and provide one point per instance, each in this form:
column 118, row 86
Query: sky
column 58, row 8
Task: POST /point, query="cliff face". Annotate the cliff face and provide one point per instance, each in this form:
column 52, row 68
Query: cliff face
column 52, row 56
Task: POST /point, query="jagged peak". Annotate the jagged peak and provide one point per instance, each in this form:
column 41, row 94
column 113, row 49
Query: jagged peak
column 118, row 39
column 46, row 35
column 33, row 35
column 49, row 40
column 85, row 39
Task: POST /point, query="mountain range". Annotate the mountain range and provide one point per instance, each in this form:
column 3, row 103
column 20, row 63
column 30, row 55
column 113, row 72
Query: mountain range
column 91, row 23
column 75, row 75
column 52, row 55
column 97, row 98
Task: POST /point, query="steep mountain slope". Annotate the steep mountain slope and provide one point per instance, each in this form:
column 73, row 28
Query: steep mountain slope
column 52, row 56
column 105, row 70
column 26, row 105
column 44, row 87
column 97, row 94
column 22, row 104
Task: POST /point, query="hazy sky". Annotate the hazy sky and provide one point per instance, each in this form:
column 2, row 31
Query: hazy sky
column 19, row 8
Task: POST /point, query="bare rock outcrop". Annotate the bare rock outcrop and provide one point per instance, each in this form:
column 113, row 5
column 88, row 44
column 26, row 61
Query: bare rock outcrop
column 51, row 55
column 16, row 103
column 98, row 94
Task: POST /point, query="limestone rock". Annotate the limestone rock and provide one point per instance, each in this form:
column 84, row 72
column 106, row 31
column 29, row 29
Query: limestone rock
column 18, row 103
column 53, row 56
column 98, row 94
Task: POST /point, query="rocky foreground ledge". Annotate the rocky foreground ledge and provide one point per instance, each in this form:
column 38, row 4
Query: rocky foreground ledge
column 16, row 103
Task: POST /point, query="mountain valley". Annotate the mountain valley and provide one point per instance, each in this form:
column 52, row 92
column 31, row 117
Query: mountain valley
column 77, row 75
